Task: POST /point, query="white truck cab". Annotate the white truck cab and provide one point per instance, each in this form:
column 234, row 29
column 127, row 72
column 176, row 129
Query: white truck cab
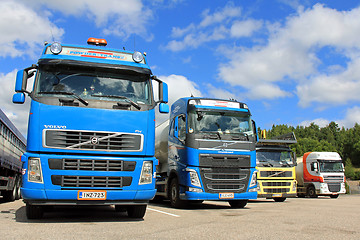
column 320, row 174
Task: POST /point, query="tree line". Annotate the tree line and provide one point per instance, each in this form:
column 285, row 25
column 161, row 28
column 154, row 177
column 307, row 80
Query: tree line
column 331, row 138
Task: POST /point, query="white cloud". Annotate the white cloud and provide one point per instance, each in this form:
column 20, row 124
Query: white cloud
column 229, row 11
column 23, row 30
column 17, row 113
column 319, row 121
column 179, row 86
column 117, row 17
column 352, row 116
column 221, row 93
column 245, row 28
column 334, row 89
column 213, row 27
column 291, row 54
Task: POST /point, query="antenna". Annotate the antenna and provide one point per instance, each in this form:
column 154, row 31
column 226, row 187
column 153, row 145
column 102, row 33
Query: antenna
column 52, row 35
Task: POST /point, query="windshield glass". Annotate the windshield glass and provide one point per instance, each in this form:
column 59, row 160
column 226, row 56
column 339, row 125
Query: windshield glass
column 270, row 158
column 226, row 122
column 90, row 83
column 331, row 166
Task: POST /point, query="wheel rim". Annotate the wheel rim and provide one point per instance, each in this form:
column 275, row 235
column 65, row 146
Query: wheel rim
column 173, row 193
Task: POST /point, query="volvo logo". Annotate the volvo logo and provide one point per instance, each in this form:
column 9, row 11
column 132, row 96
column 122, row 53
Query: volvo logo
column 94, row 140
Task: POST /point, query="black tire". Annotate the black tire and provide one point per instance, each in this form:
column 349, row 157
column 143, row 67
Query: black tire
column 238, row 203
column 311, row 192
column 334, row 196
column 10, row 196
column 301, row 195
column 18, row 192
column 120, row 208
column 136, row 211
column 34, row 212
column 279, row 199
column 175, row 200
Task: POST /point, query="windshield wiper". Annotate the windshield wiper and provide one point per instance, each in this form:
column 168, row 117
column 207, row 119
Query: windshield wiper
column 68, row 93
column 137, row 106
column 286, row 164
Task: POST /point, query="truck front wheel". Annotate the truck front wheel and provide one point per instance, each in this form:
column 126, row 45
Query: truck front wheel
column 34, row 212
column 279, row 199
column 175, row 200
column 136, row 211
column 311, row 192
column 238, row 203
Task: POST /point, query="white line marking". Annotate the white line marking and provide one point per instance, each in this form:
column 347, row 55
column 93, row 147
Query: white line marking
column 155, row 210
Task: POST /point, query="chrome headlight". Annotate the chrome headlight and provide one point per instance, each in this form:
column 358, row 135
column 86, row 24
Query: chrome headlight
column 253, row 181
column 137, row 57
column 34, row 170
column 56, row 48
column 194, row 178
column 146, row 173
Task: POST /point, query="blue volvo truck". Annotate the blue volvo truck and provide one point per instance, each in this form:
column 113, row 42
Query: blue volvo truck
column 91, row 128
column 206, row 151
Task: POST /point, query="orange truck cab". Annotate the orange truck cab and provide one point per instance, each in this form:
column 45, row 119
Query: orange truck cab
column 320, row 174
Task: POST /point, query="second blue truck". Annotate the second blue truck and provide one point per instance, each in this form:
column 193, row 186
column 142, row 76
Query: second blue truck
column 206, row 151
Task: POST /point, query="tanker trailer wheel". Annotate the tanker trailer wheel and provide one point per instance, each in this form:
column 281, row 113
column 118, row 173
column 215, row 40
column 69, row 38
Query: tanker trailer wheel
column 279, row 199
column 10, row 195
column 136, row 211
column 175, row 200
column 238, row 203
column 311, row 192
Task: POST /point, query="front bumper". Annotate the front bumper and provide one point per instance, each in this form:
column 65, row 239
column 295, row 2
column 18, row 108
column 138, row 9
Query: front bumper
column 69, row 197
column 216, row 196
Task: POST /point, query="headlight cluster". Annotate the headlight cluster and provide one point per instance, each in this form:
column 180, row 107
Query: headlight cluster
column 34, row 170
column 146, row 173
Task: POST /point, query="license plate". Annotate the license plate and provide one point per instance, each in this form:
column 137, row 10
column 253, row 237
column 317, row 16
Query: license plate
column 226, row 195
column 277, row 195
column 91, row 195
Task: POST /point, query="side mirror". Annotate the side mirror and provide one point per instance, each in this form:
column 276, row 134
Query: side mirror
column 163, row 92
column 254, row 130
column 22, row 76
column 21, row 81
column 19, row 98
column 163, row 108
column 314, row 167
column 295, row 162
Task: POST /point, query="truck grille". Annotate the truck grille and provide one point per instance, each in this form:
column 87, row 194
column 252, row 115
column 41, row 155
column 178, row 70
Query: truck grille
column 336, row 179
column 276, row 184
column 224, row 160
column 89, row 140
column 334, row 187
column 277, row 190
column 90, row 181
column 217, row 180
column 276, row 174
column 91, row 165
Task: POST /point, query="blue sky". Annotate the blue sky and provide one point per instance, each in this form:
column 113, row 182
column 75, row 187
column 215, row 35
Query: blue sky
column 292, row 62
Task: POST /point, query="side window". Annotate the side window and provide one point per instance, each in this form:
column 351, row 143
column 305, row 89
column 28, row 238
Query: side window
column 171, row 130
column 182, row 127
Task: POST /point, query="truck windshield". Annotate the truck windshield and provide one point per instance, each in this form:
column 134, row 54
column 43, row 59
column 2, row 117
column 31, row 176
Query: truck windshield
column 331, row 166
column 89, row 83
column 274, row 158
column 226, row 122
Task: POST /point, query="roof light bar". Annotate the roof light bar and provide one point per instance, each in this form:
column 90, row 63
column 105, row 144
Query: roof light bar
column 97, row 41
